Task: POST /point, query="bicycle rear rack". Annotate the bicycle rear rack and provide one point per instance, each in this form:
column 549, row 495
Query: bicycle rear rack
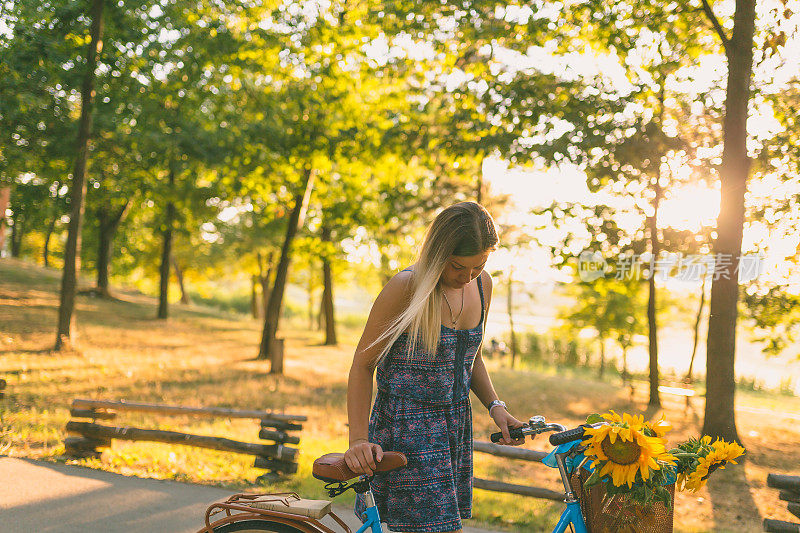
column 239, row 507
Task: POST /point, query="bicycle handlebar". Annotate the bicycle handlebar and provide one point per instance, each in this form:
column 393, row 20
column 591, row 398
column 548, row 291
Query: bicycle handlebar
column 557, row 439
column 514, row 433
column 537, row 425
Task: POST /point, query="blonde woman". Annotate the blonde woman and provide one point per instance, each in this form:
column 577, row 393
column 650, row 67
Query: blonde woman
column 423, row 337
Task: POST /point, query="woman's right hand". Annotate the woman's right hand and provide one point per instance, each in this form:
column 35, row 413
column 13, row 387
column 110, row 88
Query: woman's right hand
column 362, row 457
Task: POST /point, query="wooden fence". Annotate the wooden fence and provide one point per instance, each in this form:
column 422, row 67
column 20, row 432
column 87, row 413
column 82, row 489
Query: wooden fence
column 511, row 452
column 87, row 438
column 2, row 388
column 789, row 487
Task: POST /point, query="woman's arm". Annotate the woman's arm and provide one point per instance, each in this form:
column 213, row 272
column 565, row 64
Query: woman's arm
column 481, row 383
column 361, row 455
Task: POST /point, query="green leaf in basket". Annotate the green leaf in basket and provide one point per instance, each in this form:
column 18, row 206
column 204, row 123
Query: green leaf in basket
column 663, row 496
column 594, row 418
column 594, row 479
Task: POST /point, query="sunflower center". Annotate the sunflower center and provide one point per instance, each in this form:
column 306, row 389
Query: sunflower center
column 621, row 452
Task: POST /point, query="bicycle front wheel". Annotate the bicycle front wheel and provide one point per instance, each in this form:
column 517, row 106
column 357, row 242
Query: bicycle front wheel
column 246, row 526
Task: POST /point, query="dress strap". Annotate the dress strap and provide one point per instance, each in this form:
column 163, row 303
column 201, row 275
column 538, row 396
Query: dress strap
column 480, row 292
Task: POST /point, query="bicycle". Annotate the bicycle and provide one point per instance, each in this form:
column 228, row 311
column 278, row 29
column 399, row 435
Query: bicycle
column 289, row 513
column 572, row 516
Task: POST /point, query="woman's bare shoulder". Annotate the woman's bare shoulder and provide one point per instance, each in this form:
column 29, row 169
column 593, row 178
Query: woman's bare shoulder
column 389, row 304
column 398, row 288
column 486, row 280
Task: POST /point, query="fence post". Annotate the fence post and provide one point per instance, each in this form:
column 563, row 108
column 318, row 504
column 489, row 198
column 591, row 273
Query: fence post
column 276, row 431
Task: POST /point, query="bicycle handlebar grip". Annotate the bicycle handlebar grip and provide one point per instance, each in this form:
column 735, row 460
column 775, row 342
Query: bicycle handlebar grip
column 515, row 433
column 557, row 439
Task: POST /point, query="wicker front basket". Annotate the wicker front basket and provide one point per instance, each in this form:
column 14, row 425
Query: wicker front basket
column 617, row 514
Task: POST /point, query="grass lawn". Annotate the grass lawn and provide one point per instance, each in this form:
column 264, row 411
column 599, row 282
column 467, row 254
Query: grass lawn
column 201, row 358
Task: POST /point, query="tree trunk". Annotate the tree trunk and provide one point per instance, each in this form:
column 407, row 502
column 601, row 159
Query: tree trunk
column 310, row 292
column 327, row 293
column 107, row 225
column 509, row 303
column 265, row 290
column 254, row 307
column 320, row 318
column 273, row 310
column 689, row 378
column 69, row 278
column 5, row 196
column 166, row 251
column 264, row 275
column 17, row 231
column 185, row 300
column 602, row 370
column 719, row 419
column 652, row 326
column 47, row 237
column 655, row 248
column 103, row 252
column 625, row 375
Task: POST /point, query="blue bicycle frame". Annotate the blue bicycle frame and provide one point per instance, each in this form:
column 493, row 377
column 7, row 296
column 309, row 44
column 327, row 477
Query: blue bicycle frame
column 571, row 515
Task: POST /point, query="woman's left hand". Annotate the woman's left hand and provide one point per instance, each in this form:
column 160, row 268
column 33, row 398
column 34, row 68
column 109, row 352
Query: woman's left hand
column 505, row 421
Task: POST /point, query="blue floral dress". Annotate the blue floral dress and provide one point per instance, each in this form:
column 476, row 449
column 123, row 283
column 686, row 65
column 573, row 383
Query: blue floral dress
column 422, row 409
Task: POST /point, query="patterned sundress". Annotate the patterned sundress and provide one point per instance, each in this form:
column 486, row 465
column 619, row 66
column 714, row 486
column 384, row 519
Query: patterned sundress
column 422, row 409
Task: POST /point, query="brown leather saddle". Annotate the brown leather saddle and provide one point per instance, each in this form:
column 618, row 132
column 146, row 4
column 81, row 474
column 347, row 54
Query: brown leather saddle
column 331, row 467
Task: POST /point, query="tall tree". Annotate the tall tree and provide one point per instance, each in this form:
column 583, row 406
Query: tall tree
column 719, row 419
column 512, row 335
column 31, row 201
column 166, row 248
column 69, row 279
column 327, row 291
column 55, row 208
column 37, row 131
column 108, row 221
column 272, row 312
column 341, row 116
column 652, row 57
column 696, row 330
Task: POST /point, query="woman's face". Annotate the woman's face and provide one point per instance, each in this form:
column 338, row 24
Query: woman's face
column 460, row 270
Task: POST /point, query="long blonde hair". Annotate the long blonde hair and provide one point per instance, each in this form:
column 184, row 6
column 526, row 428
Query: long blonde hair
column 463, row 229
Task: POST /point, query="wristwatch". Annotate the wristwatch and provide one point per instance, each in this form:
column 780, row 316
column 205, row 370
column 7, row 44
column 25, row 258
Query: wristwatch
column 494, row 404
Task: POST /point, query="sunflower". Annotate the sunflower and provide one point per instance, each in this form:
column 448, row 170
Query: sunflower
column 717, row 458
column 660, row 427
column 622, row 449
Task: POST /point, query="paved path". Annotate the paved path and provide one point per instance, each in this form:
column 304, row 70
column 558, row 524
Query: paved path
column 41, row 497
